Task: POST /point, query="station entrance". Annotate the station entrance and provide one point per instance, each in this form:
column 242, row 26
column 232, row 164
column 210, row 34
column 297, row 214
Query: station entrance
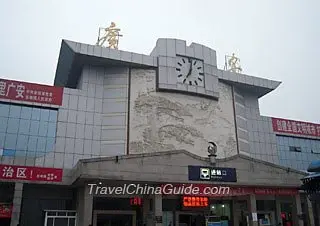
column 114, row 218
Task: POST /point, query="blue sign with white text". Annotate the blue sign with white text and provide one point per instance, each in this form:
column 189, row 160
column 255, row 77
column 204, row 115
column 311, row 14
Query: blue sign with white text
column 205, row 173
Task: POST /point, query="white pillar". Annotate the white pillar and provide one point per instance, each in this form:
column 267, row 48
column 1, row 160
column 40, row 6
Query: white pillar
column 278, row 211
column 17, row 198
column 252, row 209
column 297, row 211
column 146, row 211
column 157, row 209
column 309, row 212
column 84, row 206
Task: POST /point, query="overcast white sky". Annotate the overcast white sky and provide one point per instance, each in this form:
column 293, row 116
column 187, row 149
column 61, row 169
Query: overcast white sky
column 274, row 39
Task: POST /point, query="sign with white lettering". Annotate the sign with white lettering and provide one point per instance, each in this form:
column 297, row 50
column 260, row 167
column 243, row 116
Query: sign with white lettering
column 204, row 173
column 13, row 172
column 30, row 92
column 295, row 127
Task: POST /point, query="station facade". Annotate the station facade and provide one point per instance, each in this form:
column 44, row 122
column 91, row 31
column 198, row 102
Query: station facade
column 115, row 118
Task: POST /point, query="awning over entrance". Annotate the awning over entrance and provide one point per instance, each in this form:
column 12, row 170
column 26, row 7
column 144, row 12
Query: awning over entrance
column 172, row 167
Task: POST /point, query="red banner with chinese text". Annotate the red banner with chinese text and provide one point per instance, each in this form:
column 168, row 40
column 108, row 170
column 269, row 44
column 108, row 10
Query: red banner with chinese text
column 30, row 92
column 295, row 127
column 12, row 172
column 5, row 210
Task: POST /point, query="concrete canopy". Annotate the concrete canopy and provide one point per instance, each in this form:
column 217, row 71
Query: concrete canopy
column 172, row 167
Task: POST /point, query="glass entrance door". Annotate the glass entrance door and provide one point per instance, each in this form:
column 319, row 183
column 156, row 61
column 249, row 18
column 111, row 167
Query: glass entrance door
column 114, row 220
column 191, row 219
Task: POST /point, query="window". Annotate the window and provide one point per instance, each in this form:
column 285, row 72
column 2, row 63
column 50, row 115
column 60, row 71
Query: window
column 27, row 130
column 60, row 218
column 294, row 148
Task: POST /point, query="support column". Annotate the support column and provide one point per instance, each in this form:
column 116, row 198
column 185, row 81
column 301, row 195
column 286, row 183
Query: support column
column 309, row 212
column 84, row 206
column 278, row 211
column 17, row 198
column 297, row 210
column 252, row 209
column 147, row 221
column 157, row 202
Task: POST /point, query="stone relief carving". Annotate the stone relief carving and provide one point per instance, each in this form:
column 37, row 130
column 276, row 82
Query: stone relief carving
column 181, row 133
column 149, row 144
column 145, row 102
column 168, row 121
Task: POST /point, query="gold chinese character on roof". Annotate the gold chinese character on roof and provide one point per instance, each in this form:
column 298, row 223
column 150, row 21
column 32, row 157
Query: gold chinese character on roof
column 111, row 35
column 233, row 64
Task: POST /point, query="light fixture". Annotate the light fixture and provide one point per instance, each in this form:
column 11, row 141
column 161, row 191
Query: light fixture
column 222, row 206
column 212, row 207
column 212, row 150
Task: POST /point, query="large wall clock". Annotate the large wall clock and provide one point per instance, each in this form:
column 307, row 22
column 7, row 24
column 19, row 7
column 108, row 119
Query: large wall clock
column 190, row 71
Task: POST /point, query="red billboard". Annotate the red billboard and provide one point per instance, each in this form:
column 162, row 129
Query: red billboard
column 30, row 92
column 13, row 172
column 295, row 127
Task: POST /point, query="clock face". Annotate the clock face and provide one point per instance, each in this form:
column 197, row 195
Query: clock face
column 190, row 71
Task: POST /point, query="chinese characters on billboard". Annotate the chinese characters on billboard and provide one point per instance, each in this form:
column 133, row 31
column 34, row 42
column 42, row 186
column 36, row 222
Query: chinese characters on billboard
column 295, row 127
column 29, row 92
column 12, row 172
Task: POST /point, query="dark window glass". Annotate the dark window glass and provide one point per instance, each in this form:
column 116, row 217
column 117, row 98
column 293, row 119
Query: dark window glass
column 44, row 115
column 11, row 140
column 4, row 110
column 50, row 222
column 34, row 128
column 22, row 142
column 61, row 221
column 24, row 126
column 295, row 149
column 15, row 111
column 26, row 112
column 13, row 125
column 35, row 114
column 72, row 222
column 3, row 124
column 43, row 128
column 53, row 115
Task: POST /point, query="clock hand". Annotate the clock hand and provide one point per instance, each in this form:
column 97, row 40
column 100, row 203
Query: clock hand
column 190, row 68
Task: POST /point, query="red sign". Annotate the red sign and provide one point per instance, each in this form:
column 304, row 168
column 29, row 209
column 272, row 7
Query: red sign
column 12, row 172
column 5, row 210
column 295, row 127
column 195, row 201
column 136, row 201
column 30, row 92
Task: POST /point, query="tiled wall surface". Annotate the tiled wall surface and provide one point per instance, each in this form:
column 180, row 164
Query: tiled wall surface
column 161, row 121
column 254, row 128
column 92, row 119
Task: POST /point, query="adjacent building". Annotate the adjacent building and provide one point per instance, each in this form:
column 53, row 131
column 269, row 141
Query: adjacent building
column 115, row 117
